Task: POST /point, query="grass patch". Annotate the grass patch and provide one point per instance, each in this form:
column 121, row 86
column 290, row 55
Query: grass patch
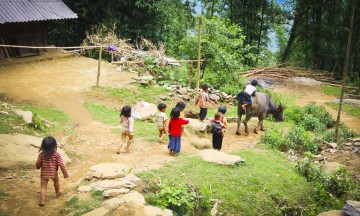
column 265, row 185
column 50, row 114
column 78, row 207
column 3, row 194
column 347, row 108
column 132, row 96
column 330, row 90
column 103, row 114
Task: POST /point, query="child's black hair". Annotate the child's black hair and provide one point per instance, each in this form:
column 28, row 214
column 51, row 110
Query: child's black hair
column 222, row 109
column 254, row 82
column 161, row 106
column 181, row 105
column 218, row 116
column 175, row 113
column 48, row 146
column 205, row 86
column 126, row 111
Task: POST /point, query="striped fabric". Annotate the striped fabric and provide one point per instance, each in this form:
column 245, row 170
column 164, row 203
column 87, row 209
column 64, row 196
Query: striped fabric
column 49, row 165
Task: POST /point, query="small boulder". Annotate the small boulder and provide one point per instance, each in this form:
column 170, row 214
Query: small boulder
column 26, row 115
column 214, row 97
column 144, row 110
column 332, row 145
column 112, row 184
column 134, row 179
column 114, row 192
column 352, row 208
column 332, row 166
column 133, row 196
column 97, row 212
column 333, row 213
column 219, row 157
column 192, row 114
column 107, row 171
column 84, row 188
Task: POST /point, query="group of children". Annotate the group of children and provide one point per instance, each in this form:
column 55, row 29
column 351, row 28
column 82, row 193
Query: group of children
column 49, row 160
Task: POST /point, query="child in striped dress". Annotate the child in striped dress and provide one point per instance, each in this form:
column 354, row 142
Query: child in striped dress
column 49, row 161
column 128, row 128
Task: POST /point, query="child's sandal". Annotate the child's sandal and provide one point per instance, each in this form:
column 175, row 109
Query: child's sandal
column 41, row 204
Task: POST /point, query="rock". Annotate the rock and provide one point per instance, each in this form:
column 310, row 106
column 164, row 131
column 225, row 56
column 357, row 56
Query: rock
column 185, row 97
column 107, row 171
column 134, row 179
column 319, row 157
column 152, row 211
column 220, row 157
column 112, row 184
column 214, row 97
column 163, row 97
column 133, row 196
column 144, row 79
column 114, row 192
column 305, row 81
column 202, row 127
column 4, row 113
column 332, row 145
column 97, row 212
column 22, row 150
column 332, row 151
column 332, row 166
column 170, row 94
column 202, row 143
column 144, row 110
column 167, row 212
column 224, row 94
column 192, row 114
column 348, row 144
column 26, row 115
column 356, row 150
column 333, row 213
column 352, row 208
column 182, row 91
column 84, row 188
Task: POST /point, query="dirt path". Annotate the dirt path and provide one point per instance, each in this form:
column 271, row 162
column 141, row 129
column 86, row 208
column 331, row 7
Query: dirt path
column 61, row 83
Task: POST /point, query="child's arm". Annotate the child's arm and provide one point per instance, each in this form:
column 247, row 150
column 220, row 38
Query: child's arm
column 165, row 126
column 62, row 166
column 131, row 125
column 39, row 161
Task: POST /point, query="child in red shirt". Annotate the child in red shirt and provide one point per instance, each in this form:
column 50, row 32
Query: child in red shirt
column 49, row 161
column 175, row 126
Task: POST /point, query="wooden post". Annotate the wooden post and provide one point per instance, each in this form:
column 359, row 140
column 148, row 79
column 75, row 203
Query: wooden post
column 346, row 68
column 99, row 67
column 199, row 58
column 190, row 74
column 112, row 56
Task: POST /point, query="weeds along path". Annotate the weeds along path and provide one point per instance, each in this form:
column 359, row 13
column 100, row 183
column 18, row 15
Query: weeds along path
column 307, row 94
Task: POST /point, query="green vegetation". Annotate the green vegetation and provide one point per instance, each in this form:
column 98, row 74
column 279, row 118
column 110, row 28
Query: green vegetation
column 330, row 90
column 347, row 108
column 50, row 114
column 75, row 206
column 3, row 194
column 103, row 114
column 265, row 184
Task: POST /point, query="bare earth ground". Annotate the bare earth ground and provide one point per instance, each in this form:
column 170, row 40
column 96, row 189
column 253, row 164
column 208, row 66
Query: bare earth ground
column 61, row 83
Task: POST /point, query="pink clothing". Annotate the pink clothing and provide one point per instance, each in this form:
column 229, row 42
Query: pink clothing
column 128, row 123
column 50, row 164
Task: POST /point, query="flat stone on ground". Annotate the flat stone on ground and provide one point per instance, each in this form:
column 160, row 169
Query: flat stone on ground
column 132, row 197
column 22, row 150
column 114, row 192
column 97, row 212
column 333, row 213
column 112, row 184
column 352, row 208
column 219, row 157
column 332, row 166
column 84, row 188
column 134, row 179
column 107, row 171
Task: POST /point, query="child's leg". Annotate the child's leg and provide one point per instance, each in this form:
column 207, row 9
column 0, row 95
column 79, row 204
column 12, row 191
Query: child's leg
column 57, row 186
column 163, row 135
column 43, row 187
column 123, row 140
column 129, row 141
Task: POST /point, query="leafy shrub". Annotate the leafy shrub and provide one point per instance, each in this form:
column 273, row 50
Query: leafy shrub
column 320, row 113
column 299, row 139
column 275, row 139
column 344, row 133
column 295, row 113
column 180, row 198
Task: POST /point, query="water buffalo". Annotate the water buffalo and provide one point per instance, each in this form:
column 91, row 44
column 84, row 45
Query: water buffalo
column 261, row 107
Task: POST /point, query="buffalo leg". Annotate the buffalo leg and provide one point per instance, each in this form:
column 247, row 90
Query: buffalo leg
column 239, row 119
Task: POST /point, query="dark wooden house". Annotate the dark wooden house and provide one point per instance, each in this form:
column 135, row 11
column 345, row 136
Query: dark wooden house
column 23, row 22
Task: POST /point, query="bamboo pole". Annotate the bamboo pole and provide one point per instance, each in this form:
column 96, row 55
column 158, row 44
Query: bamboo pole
column 198, row 62
column 51, row 47
column 99, row 67
column 346, row 68
column 190, row 74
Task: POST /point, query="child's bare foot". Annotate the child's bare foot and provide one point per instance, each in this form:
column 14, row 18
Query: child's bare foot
column 118, row 152
column 161, row 141
column 58, row 194
column 127, row 149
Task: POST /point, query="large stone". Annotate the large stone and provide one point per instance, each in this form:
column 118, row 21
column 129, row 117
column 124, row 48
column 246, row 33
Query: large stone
column 197, row 125
column 84, row 188
column 352, row 208
column 134, row 179
column 332, row 145
column 144, row 110
column 107, row 171
column 219, row 157
column 192, row 114
column 132, row 197
column 332, row 166
column 214, row 97
column 22, row 150
column 333, row 213
column 152, row 211
column 115, row 192
column 112, row 184
column 26, row 115
column 97, row 212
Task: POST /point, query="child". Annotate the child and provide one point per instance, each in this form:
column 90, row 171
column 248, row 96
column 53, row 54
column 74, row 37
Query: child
column 175, row 127
column 201, row 101
column 244, row 97
column 181, row 106
column 49, row 161
column 128, row 128
column 222, row 109
column 161, row 121
column 217, row 131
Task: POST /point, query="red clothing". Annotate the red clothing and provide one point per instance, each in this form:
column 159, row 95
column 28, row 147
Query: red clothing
column 175, row 126
column 49, row 165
